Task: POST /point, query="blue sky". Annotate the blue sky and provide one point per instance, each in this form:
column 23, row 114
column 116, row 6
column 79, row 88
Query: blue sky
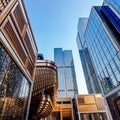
column 54, row 24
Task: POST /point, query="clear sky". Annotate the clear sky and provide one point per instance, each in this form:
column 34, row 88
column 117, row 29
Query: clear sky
column 54, row 25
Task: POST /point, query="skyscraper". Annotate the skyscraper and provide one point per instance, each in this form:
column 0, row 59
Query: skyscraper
column 67, row 86
column 18, row 52
column 86, row 60
column 102, row 38
column 114, row 5
column 40, row 56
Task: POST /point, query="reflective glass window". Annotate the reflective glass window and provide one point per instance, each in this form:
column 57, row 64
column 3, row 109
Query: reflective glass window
column 13, row 100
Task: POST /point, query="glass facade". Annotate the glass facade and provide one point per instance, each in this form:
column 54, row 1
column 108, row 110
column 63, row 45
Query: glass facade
column 115, row 4
column 86, row 60
column 102, row 38
column 66, row 73
column 14, row 89
column 89, row 87
column 102, row 50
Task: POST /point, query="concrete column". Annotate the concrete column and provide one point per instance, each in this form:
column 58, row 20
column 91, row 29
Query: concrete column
column 29, row 101
column 108, row 110
column 92, row 115
column 79, row 116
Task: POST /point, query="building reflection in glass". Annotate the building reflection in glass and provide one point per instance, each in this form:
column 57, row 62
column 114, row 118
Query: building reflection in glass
column 107, row 84
column 66, row 73
column 14, row 89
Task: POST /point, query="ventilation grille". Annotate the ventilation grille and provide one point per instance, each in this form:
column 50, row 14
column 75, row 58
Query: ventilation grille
column 81, row 101
column 14, row 40
column 27, row 42
column 3, row 4
column 30, row 67
column 19, row 102
column 19, row 17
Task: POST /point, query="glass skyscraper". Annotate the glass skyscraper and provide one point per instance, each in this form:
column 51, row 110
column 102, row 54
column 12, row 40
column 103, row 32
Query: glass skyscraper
column 102, row 38
column 67, row 86
column 114, row 5
column 86, row 60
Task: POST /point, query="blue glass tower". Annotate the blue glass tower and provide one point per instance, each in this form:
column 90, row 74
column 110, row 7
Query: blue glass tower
column 114, row 5
column 67, row 86
column 86, row 60
column 102, row 38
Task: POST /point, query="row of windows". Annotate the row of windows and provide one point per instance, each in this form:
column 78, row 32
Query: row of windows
column 62, row 94
column 63, row 58
column 66, row 79
column 63, row 102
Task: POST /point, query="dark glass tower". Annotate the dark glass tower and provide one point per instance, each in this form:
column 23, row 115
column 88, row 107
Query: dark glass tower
column 114, row 5
column 67, row 86
column 102, row 38
column 40, row 56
